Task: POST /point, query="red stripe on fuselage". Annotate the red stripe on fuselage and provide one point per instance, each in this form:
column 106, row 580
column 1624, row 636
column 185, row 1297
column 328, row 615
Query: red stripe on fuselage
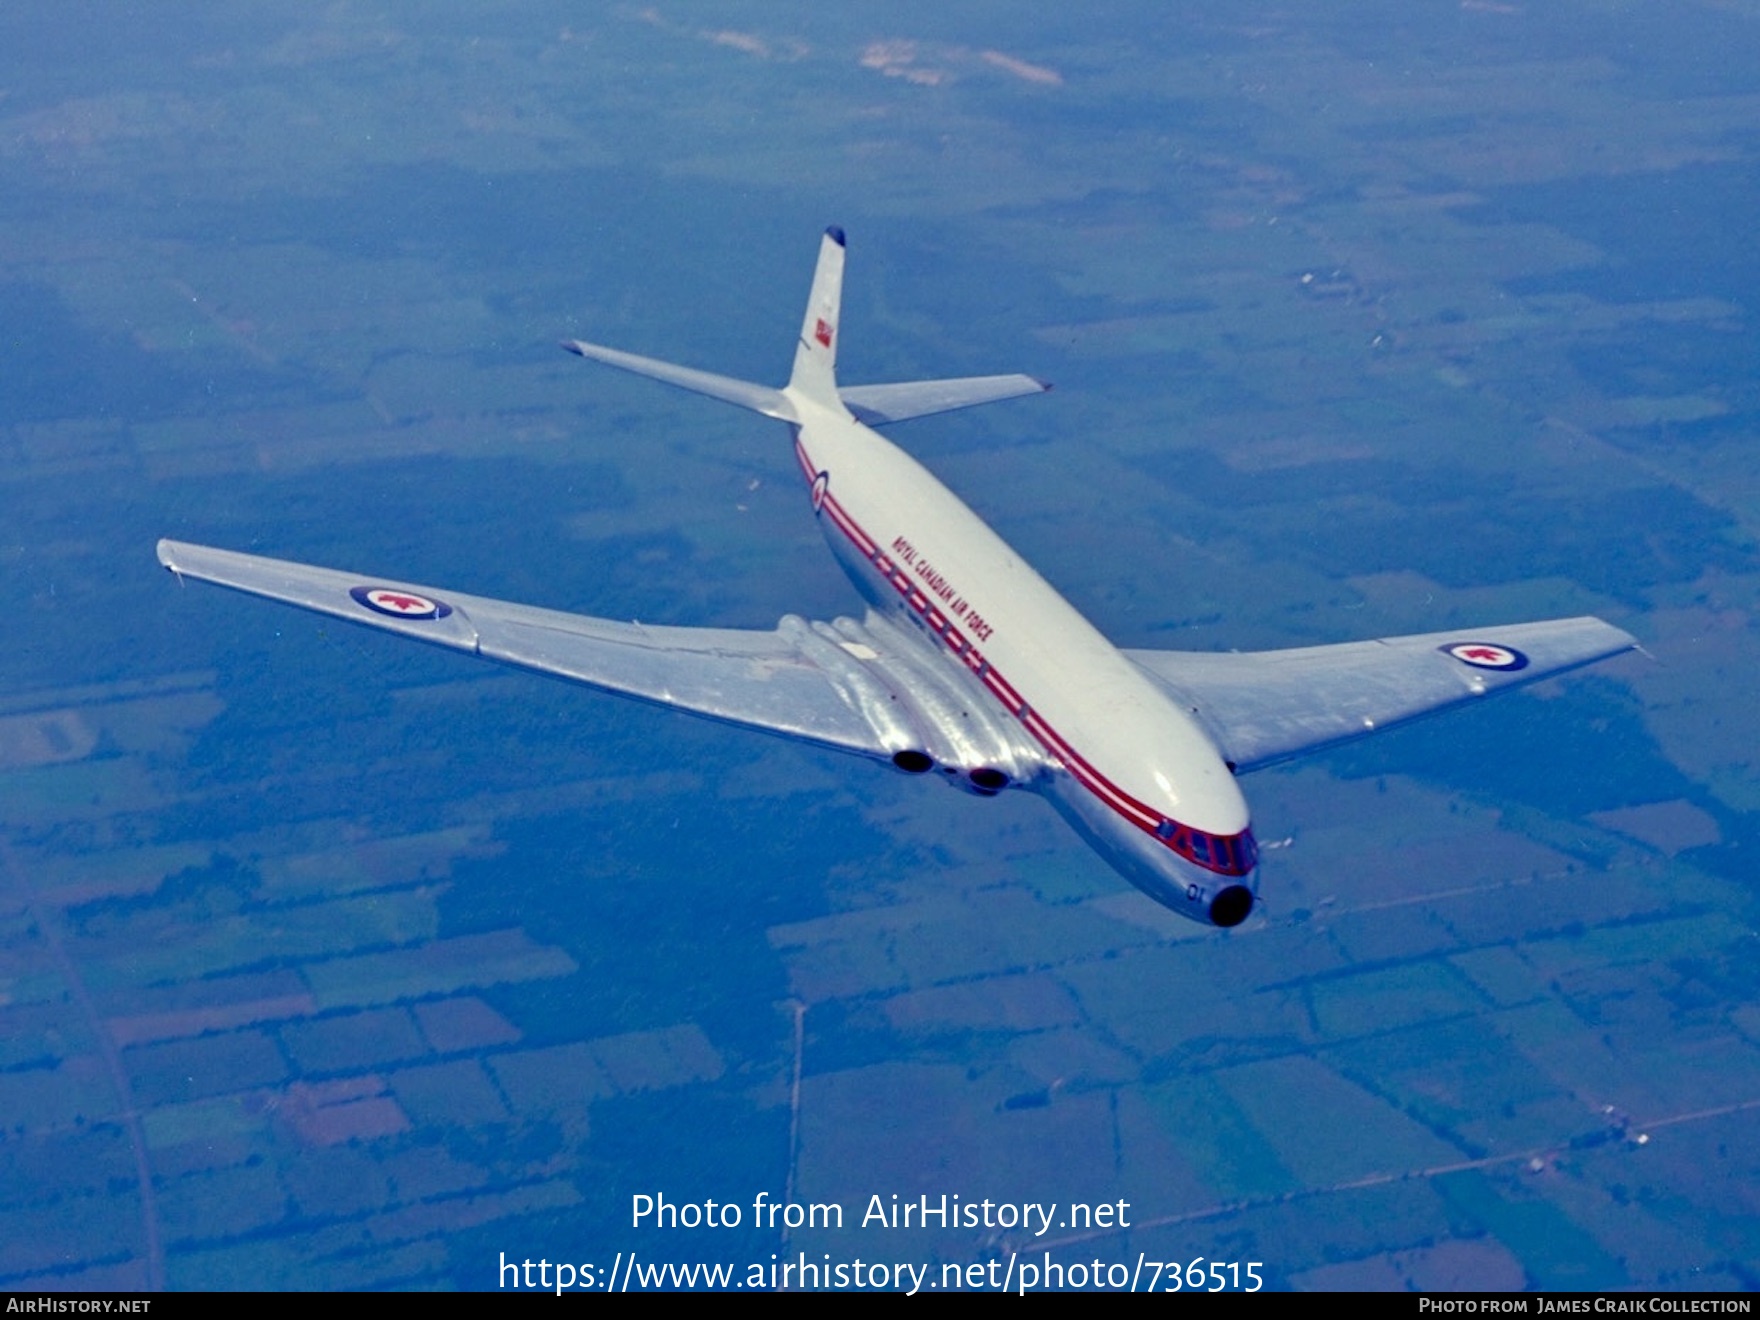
column 1003, row 689
column 848, row 526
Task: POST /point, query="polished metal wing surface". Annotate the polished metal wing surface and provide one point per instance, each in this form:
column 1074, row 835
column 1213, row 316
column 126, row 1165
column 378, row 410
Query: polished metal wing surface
column 1261, row 707
column 766, row 680
column 866, row 687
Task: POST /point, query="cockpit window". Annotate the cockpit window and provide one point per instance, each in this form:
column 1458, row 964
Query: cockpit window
column 1226, row 854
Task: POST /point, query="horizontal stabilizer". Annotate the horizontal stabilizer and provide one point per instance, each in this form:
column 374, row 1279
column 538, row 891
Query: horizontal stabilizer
column 1262, row 707
column 759, row 398
column 876, row 405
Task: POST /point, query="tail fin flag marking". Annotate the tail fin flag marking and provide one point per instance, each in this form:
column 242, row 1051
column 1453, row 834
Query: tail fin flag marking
column 815, row 356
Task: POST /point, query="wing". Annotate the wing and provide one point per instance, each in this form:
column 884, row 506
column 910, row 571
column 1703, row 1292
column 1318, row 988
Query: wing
column 876, row 405
column 1261, row 707
column 791, row 681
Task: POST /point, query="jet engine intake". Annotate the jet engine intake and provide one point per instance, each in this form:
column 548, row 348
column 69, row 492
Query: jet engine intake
column 954, row 730
column 988, row 780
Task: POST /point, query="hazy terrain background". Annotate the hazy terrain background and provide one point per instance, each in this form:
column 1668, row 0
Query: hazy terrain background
column 327, row 961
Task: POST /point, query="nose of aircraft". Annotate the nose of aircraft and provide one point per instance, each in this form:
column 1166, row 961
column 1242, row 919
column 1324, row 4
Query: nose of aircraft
column 1231, row 906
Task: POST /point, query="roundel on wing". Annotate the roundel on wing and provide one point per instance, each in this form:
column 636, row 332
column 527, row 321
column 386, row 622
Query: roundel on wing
column 821, row 484
column 399, row 604
column 1487, row 655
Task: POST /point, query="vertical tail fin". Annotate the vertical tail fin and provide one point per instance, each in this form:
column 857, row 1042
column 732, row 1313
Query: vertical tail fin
column 815, row 356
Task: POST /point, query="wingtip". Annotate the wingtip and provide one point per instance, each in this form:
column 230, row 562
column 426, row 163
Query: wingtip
column 835, row 234
column 167, row 552
column 572, row 346
column 1044, row 385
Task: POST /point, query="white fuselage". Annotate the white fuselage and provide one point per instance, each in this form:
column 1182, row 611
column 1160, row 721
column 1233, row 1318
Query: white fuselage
column 1126, row 766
